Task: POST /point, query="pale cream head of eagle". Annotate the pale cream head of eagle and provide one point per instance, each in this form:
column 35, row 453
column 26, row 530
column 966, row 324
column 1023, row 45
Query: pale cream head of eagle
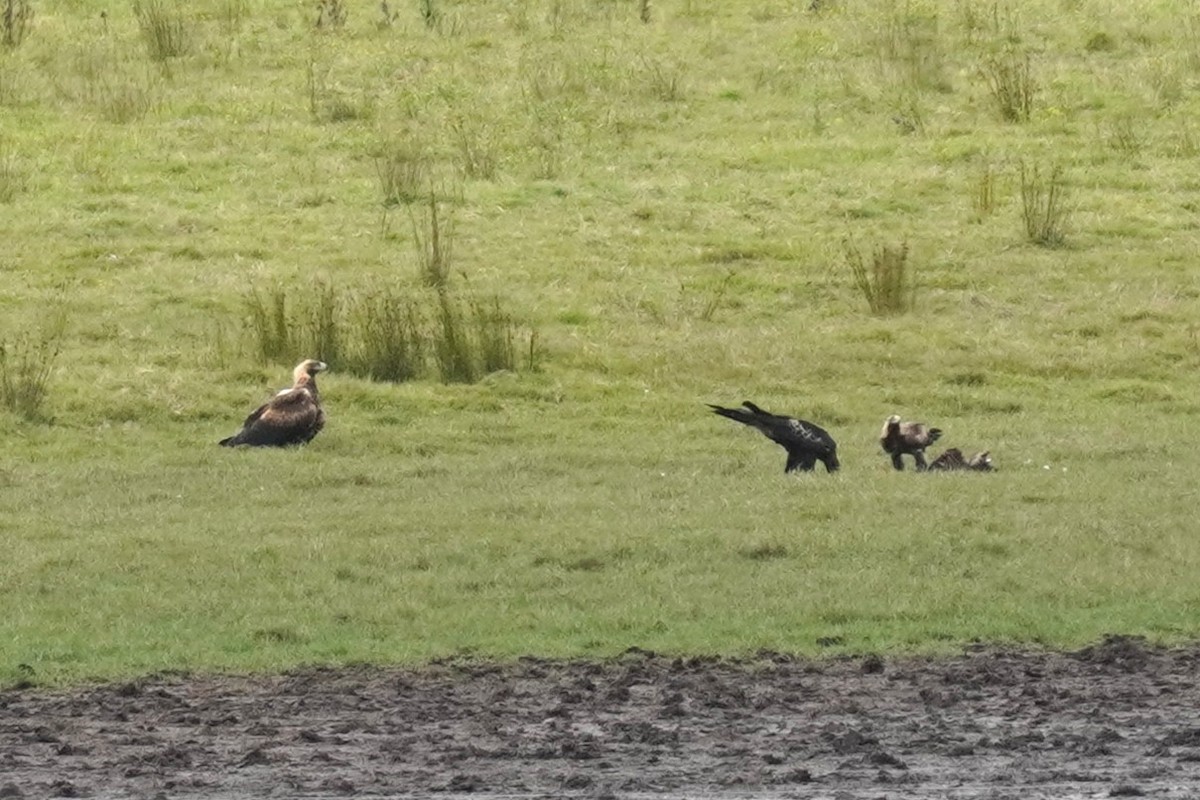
column 308, row 367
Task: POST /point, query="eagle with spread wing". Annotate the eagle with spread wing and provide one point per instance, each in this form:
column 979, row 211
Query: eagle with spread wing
column 806, row 443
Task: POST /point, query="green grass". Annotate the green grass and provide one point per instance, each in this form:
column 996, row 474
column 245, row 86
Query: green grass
column 664, row 205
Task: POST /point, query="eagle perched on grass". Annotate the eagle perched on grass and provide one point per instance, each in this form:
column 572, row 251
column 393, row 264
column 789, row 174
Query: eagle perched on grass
column 953, row 459
column 805, row 443
column 900, row 438
column 294, row 416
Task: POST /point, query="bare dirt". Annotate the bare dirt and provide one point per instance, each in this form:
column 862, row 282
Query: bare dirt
column 1119, row 719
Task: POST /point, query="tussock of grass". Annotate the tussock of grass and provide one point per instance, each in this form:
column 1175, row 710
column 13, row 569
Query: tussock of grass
column 662, row 79
column 433, row 237
column 474, row 138
column 403, row 171
column 1010, row 79
column 16, row 16
column 271, row 326
column 13, row 178
column 1044, row 207
column 495, row 335
column 392, row 344
column 912, row 43
column 887, row 284
column 383, row 335
column 431, row 13
column 452, row 347
column 984, row 199
column 165, row 31
column 331, row 14
column 26, row 364
column 24, row 376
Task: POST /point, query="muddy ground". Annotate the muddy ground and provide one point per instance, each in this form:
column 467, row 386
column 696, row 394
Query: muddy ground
column 1120, row 719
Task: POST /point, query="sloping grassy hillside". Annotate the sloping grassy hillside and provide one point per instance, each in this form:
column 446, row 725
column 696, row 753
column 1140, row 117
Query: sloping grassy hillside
column 663, row 208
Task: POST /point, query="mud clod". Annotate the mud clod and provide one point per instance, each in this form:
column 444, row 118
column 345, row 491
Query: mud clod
column 872, row 664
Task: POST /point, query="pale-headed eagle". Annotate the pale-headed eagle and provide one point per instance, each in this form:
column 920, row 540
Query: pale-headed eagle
column 294, row 416
column 900, row 438
column 805, row 443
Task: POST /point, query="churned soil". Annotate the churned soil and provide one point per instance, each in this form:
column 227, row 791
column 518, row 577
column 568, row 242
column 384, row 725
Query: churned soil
column 1118, row 719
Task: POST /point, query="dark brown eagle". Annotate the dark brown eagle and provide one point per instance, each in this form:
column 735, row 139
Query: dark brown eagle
column 900, row 438
column 953, row 459
column 805, row 443
column 294, row 416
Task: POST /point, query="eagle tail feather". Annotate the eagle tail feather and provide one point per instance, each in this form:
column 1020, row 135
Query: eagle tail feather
column 735, row 414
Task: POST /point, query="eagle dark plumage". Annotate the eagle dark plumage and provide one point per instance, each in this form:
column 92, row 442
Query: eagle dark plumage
column 293, row 416
column 907, row 438
column 953, row 459
column 806, row 444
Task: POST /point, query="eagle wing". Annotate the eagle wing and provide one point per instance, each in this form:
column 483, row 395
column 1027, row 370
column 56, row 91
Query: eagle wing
column 254, row 415
column 951, row 459
column 917, row 434
column 798, row 434
column 791, row 433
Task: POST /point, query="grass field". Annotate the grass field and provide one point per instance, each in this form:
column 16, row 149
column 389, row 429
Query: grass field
column 662, row 208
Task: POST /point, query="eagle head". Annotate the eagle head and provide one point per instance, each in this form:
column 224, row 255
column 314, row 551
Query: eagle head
column 307, row 369
column 310, row 366
column 891, row 427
